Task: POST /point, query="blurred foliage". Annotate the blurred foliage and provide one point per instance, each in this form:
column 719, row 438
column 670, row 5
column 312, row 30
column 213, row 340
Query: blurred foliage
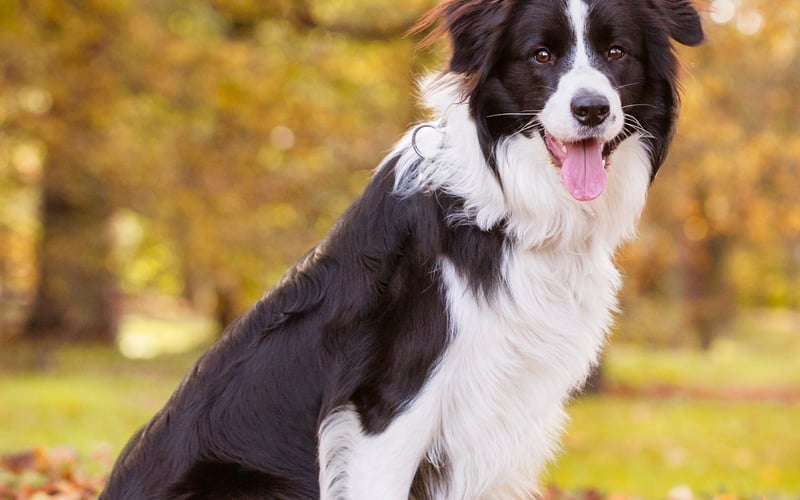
column 204, row 145
column 49, row 473
column 224, row 136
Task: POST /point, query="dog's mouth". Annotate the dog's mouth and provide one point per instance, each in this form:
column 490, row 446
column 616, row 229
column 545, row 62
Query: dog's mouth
column 583, row 164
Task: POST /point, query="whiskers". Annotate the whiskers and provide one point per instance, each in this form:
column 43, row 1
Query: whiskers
column 534, row 123
column 631, row 127
column 634, row 126
column 515, row 113
column 640, row 105
column 632, row 84
column 533, row 120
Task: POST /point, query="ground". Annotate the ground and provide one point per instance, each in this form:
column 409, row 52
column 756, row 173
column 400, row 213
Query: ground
column 721, row 424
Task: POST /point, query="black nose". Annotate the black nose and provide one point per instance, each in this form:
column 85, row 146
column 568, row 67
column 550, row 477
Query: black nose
column 589, row 109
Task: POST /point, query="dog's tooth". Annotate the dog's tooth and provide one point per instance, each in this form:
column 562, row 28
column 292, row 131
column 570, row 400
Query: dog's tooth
column 563, row 147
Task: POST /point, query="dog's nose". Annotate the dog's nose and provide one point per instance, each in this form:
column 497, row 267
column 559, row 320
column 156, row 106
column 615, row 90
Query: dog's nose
column 590, row 109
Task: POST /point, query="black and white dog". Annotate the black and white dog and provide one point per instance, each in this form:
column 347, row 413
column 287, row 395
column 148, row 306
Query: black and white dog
column 427, row 346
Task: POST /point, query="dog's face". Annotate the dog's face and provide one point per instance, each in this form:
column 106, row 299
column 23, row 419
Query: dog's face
column 580, row 75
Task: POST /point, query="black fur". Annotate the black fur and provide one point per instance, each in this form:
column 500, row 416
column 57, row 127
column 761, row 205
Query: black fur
column 359, row 319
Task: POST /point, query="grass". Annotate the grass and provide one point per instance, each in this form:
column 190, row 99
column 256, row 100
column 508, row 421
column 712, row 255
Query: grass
column 85, row 397
column 648, row 447
column 726, row 365
column 642, row 445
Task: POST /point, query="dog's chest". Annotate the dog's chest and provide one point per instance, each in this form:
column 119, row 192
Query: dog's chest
column 491, row 411
column 512, row 361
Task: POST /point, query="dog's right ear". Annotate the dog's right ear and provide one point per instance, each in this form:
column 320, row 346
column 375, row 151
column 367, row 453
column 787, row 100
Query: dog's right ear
column 473, row 27
column 683, row 21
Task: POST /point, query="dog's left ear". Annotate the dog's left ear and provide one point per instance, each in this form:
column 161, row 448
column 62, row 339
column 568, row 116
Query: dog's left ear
column 684, row 21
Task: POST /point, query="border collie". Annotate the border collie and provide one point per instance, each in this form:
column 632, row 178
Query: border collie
column 426, row 347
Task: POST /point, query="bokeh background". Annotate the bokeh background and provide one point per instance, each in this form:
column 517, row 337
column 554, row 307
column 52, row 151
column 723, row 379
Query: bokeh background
column 162, row 162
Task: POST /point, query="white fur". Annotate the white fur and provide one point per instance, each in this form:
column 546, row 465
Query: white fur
column 380, row 466
column 338, row 434
column 577, row 11
column 492, row 410
column 458, row 166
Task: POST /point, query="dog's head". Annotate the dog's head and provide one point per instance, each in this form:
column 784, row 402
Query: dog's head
column 579, row 75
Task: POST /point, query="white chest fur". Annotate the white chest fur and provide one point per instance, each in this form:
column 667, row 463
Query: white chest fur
column 491, row 413
column 512, row 363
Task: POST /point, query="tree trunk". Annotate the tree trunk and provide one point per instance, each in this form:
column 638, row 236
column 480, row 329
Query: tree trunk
column 227, row 309
column 708, row 304
column 75, row 298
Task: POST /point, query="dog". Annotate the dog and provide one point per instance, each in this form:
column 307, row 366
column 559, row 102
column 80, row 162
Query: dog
column 427, row 346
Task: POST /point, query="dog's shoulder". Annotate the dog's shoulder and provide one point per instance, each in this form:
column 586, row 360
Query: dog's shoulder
column 349, row 269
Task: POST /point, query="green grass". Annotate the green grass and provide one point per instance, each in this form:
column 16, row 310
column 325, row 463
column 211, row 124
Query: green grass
column 86, row 397
column 747, row 359
column 646, row 447
column 639, row 445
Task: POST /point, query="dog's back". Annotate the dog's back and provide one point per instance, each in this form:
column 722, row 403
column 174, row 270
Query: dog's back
column 359, row 320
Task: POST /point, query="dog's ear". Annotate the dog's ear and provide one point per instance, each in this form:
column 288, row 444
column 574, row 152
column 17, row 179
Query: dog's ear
column 684, row 21
column 473, row 27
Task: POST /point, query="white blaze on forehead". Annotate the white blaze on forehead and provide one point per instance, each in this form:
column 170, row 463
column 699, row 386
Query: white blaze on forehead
column 578, row 10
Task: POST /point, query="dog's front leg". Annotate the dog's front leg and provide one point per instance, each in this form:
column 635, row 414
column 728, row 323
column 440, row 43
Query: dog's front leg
column 359, row 466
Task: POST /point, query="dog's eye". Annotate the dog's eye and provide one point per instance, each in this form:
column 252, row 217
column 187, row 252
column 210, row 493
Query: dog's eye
column 615, row 53
column 542, row 56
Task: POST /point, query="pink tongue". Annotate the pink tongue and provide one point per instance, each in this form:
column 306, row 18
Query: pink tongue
column 582, row 169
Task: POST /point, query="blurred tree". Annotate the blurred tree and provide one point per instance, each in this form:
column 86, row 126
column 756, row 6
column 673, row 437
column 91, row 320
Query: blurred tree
column 225, row 127
column 198, row 147
column 265, row 150
column 62, row 55
column 722, row 227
